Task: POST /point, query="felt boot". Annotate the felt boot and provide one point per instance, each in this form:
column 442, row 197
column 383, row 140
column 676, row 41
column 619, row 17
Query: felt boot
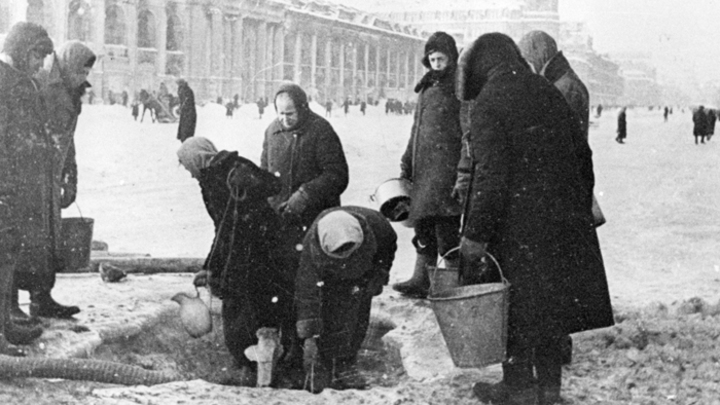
column 42, row 304
column 419, row 284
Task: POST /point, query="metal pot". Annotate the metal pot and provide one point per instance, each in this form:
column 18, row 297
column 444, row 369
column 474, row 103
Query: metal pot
column 393, row 197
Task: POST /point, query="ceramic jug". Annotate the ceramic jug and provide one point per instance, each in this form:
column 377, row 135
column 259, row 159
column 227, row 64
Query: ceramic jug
column 194, row 314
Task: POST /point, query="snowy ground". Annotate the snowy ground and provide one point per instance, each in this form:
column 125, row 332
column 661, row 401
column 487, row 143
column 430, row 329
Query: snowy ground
column 658, row 192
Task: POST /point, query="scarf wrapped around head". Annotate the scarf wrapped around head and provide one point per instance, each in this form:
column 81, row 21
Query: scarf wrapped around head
column 195, row 154
column 340, row 234
column 538, row 48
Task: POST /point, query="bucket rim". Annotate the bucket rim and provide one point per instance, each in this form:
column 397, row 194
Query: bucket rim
column 77, row 219
column 468, row 291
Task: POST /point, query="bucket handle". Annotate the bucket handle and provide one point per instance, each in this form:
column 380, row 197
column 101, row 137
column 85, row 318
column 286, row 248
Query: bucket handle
column 442, row 259
column 79, row 210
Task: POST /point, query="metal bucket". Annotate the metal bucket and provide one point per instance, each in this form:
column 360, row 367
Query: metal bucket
column 473, row 321
column 76, row 242
column 444, row 278
column 393, row 197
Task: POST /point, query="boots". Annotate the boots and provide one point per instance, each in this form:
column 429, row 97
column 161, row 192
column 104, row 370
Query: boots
column 10, row 333
column 16, row 314
column 42, row 304
column 419, row 283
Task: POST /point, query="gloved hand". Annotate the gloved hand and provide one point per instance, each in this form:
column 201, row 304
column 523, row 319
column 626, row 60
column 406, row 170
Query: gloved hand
column 471, row 251
column 68, row 193
column 296, row 204
column 460, row 190
column 375, row 285
column 202, row 278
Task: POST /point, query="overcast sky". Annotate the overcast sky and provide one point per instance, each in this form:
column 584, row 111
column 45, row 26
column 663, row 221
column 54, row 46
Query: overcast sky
column 679, row 34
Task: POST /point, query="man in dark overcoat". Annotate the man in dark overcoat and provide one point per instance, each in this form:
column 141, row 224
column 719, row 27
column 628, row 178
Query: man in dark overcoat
column 188, row 115
column 303, row 150
column 25, row 164
column 529, row 206
column 622, row 125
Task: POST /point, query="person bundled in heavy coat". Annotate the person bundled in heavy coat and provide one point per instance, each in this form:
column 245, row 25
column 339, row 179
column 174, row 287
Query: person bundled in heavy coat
column 430, row 162
column 25, row 164
column 540, row 50
column 188, row 115
column 63, row 83
column 245, row 265
column 346, row 259
column 303, row 150
column 529, row 206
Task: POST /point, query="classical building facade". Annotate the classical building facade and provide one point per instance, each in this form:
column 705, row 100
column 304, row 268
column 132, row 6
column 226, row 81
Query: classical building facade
column 228, row 47
column 468, row 19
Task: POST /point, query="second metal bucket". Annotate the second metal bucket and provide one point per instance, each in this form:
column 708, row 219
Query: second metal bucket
column 76, row 241
column 393, row 196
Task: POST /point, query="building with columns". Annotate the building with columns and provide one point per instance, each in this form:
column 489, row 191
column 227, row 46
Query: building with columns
column 228, row 47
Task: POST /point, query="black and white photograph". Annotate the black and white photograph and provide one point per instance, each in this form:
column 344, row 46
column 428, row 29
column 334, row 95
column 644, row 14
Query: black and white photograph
column 361, row 202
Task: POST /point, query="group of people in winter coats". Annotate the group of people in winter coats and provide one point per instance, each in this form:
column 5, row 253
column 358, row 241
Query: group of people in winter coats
column 500, row 164
column 703, row 123
column 286, row 254
column 39, row 110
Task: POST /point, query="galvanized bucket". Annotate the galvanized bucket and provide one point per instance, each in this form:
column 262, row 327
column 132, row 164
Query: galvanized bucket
column 76, row 242
column 473, row 321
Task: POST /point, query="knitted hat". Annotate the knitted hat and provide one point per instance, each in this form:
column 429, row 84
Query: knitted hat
column 296, row 94
column 440, row 42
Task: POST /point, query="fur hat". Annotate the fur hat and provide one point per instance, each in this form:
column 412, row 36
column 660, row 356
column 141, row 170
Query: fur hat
column 440, row 42
column 26, row 36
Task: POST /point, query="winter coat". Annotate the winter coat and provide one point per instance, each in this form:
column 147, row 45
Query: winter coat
column 188, row 115
column 711, row 118
column 310, row 156
column 530, row 197
column 333, row 296
column 431, row 158
column 622, row 125
column 26, row 158
column 243, row 259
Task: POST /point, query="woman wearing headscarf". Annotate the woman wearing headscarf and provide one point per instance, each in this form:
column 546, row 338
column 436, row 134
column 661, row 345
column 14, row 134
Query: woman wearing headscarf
column 529, row 206
column 188, row 115
column 63, row 82
column 346, row 258
column 25, row 187
column 430, row 162
column 245, row 266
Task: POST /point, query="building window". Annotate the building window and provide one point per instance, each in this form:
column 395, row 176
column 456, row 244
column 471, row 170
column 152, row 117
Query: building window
column 79, row 20
column 174, row 32
column 35, row 12
column 114, row 25
column 146, row 29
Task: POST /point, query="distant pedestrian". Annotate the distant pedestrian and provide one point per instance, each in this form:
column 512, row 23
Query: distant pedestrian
column 229, row 109
column 665, row 113
column 621, row 126
column 711, row 118
column 188, row 114
column 700, row 125
column 135, row 109
column 261, row 107
column 363, row 106
column 124, row 98
column 236, row 102
column 599, row 110
column 328, row 108
column 346, row 106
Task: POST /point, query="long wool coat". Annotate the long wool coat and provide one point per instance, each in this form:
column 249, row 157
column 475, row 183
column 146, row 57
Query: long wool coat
column 308, row 156
column 530, row 200
column 431, row 158
column 26, row 158
column 188, row 115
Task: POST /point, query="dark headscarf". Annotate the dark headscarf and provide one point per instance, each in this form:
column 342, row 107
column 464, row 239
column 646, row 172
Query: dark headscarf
column 24, row 37
column 489, row 54
column 538, row 48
